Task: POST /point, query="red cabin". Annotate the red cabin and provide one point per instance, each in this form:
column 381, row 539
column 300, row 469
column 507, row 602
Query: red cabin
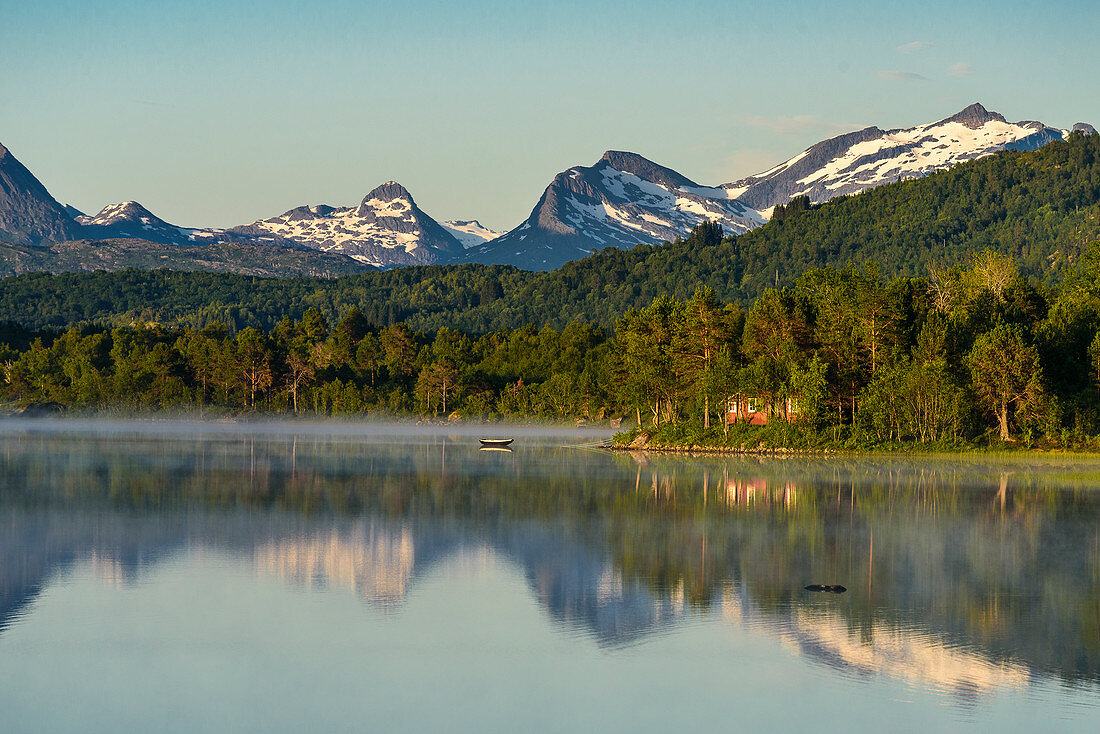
column 755, row 410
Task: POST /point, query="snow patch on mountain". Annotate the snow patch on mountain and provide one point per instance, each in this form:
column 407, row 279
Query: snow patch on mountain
column 917, row 151
column 385, row 229
column 863, row 159
column 338, row 229
column 469, row 232
column 131, row 220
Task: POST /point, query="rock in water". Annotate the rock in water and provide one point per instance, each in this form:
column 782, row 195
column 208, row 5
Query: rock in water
column 827, row 588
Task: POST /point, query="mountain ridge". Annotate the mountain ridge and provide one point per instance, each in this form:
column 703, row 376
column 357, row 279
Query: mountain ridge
column 1041, row 208
column 622, row 200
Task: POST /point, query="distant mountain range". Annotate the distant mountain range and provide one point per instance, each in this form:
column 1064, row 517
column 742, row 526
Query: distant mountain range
column 622, row 200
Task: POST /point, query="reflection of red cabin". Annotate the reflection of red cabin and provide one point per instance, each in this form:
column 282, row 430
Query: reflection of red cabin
column 755, row 491
column 755, row 410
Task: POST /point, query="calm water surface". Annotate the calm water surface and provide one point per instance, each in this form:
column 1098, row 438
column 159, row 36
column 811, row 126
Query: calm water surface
column 179, row 578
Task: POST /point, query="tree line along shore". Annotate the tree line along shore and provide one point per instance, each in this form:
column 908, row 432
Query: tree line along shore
column 971, row 355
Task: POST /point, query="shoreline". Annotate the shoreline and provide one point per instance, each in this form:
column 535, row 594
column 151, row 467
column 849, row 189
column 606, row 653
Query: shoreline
column 603, row 437
column 834, row 453
column 695, row 450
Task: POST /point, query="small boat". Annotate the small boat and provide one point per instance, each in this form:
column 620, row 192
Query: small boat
column 496, row 443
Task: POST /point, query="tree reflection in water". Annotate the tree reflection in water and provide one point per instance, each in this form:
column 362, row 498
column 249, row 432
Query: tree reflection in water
column 965, row 576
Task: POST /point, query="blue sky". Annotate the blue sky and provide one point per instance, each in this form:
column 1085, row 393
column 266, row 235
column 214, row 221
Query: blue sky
column 214, row 116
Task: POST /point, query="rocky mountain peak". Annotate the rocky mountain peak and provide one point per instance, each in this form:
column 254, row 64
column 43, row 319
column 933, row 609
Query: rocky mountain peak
column 974, row 116
column 131, row 220
column 644, row 168
column 389, row 191
column 126, row 211
column 385, row 229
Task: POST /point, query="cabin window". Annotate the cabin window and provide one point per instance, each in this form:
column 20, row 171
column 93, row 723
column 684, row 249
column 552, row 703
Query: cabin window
column 750, row 405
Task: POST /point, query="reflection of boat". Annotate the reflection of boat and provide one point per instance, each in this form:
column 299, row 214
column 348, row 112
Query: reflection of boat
column 504, row 449
column 495, row 443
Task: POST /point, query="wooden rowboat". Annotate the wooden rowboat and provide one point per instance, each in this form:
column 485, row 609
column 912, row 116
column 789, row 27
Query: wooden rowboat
column 496, row 443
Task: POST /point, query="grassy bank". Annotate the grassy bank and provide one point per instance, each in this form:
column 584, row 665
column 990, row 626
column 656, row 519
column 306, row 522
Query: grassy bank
column 779, row 437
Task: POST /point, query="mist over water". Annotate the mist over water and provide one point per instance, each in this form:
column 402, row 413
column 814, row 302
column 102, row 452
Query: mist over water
column 187, row 427
column 182, row 576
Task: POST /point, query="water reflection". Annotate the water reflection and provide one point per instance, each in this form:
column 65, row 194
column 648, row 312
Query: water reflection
column 963, row 577
column 911, row 654
column 374, row 561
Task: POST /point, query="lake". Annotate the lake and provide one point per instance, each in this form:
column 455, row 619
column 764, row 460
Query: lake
column 219, row 577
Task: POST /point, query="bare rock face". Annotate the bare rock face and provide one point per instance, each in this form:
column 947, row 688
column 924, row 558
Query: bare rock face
column 974, row 117
column 28, row 214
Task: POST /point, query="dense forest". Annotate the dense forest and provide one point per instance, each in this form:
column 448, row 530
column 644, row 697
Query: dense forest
column 1040, row 208
column 973, row 352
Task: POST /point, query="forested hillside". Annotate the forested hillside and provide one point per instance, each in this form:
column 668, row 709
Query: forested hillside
column 844, row 357
column 242, row 258
column 1041, row 208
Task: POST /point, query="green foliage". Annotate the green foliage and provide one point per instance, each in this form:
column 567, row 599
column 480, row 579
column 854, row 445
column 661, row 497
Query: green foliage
column 844, row 359
column 795, row 205
column 1008, row 377
column 300, row 366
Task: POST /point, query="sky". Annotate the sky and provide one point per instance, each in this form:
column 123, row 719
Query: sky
column 216, row 114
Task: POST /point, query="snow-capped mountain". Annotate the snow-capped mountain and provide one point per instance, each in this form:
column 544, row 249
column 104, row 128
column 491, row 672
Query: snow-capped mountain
column 863, row 159
column 626, row 200
column 621, row 201
column 28, row 214
column 469, row 233
column 131, row 220
column 386, row 229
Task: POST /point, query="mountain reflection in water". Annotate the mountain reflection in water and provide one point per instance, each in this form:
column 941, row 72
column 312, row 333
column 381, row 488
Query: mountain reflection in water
column 964, row 577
